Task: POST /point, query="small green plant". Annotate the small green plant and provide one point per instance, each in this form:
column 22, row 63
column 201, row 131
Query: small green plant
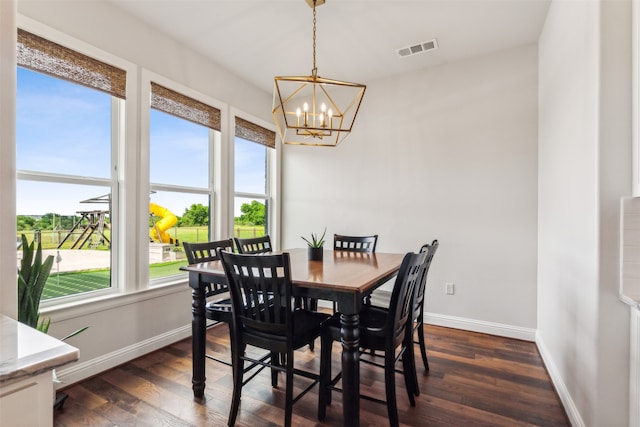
column 315, row 242
column 32, row 276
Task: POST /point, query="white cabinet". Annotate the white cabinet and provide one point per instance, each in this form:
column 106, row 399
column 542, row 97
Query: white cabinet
column 28, row 402
column 27, row 360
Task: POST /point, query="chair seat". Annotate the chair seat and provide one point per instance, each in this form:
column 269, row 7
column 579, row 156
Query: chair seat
column 307, row 325
column 219, row 310
column 219, row 305
column 372, row 322
column 373, row 318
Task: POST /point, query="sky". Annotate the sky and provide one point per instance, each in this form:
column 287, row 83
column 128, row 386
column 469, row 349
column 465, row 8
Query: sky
column 64, row 128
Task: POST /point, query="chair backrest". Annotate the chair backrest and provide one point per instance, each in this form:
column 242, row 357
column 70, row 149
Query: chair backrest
column 250, row 278
column 401, row 307
column 254, row 245
column 204, row 252
column 355, row 243
column 418, row 293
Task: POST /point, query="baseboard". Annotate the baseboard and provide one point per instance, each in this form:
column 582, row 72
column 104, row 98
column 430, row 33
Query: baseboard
column 89, row 368
column 499, row 329
column 381, row 297
column 565, row 397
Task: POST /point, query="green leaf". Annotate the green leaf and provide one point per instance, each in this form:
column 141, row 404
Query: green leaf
column 43, row 325
column 315, row 242
column 32, row 277
column 73, row 334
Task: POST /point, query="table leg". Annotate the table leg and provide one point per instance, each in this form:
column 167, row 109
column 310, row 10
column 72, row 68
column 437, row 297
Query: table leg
column 350, row 335
column 198, row 340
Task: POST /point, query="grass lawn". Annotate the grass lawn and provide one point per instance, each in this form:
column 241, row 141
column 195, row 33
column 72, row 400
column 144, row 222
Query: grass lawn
column 71, row 283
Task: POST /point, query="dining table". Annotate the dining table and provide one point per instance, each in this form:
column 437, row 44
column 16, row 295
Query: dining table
column 344, row 277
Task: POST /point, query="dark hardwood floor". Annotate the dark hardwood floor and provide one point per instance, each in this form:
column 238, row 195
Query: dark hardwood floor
column 474, row 380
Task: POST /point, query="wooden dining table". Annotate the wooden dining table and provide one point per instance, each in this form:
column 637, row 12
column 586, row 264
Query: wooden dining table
column 342, row 276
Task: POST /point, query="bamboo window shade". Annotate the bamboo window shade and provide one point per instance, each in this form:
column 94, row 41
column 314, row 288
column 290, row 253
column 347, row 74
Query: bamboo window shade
column 42, row 55
column 182, row 106
column 253, row 132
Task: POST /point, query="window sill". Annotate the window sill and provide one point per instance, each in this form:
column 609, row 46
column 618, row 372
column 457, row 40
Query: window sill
column 78, row 308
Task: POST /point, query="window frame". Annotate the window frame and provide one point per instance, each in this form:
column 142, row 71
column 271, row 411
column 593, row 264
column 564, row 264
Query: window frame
column 130, row 241
column 272, row 190
column 216, row 152
column 120, row 118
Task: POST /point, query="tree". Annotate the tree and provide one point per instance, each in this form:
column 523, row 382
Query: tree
column 46, row 222
column 196, row 215
column 252, row 214
column 66, row 222
column 25, row 222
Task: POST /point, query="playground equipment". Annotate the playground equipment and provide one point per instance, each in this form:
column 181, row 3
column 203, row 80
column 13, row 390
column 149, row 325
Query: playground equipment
column 94, row 221
column 90, row 222
column 158, row 232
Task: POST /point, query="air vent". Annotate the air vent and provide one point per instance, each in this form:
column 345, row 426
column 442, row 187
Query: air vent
column 418, row 48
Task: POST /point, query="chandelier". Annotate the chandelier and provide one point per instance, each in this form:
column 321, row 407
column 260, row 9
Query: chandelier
column 311, row 110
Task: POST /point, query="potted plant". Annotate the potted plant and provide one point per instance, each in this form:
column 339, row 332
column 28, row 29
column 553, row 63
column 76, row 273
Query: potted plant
column 32, row 277
column 316, row 246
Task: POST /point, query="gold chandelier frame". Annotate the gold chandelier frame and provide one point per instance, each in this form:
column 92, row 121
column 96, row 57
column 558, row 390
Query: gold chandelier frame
column 312, row 110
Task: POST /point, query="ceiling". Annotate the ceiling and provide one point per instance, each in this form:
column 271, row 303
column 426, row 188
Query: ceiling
column 357, row 40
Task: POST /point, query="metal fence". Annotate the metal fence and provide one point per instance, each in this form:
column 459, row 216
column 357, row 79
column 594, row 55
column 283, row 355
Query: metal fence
column 51, row 239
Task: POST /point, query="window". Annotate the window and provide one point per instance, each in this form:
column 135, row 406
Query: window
column 73, row 163
column 69, row 110
column 182, row 133
column 252, row 145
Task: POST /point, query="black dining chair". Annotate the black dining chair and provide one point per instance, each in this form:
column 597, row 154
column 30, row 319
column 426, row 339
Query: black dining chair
column 277, row 327
column 218, row 306
column 355, row 243
column 386, row 330
column 418, row 307
column 262, row 245
column 418, row 314
column 254, row 245
column 364, row 244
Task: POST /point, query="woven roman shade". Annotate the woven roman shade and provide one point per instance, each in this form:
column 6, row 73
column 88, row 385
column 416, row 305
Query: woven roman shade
column 253, row 132
column 182, row 106
column 42, row 55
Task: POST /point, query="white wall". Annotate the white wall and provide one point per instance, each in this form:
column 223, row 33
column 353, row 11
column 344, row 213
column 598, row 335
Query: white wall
column 125, row 326
column 447, row 153
column 584, row 168
column 8, row 259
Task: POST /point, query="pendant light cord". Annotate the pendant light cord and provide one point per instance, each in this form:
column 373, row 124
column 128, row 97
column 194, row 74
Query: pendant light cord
column 314, row 71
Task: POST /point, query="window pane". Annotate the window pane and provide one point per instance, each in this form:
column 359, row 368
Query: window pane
column 179, row 151
column 73, row 222
column 250, row 218
column 250, row 167
column 62, row 127
column 175, row 218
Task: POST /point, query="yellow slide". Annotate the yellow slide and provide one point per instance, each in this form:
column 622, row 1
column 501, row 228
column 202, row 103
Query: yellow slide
column 159, row 231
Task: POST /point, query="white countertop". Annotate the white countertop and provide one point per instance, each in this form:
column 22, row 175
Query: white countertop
column 25, row 351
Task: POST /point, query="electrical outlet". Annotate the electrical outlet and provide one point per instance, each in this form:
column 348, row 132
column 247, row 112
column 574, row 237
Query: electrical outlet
column 449, row 288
